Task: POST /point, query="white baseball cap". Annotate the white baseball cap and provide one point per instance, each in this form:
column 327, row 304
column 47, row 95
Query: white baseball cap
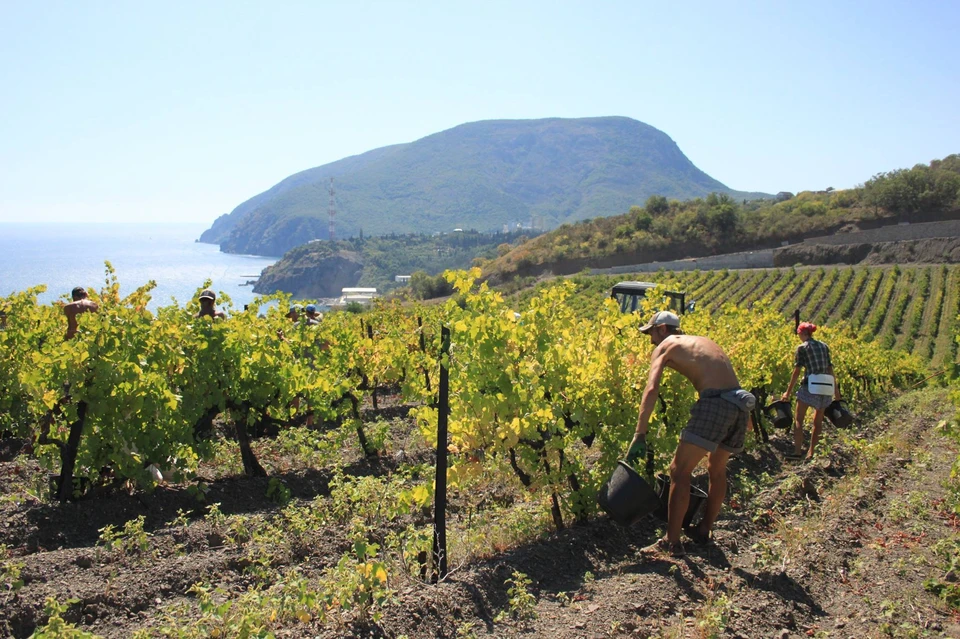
column 661, row 318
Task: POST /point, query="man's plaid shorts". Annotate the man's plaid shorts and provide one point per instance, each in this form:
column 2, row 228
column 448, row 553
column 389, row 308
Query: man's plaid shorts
column 716, row 423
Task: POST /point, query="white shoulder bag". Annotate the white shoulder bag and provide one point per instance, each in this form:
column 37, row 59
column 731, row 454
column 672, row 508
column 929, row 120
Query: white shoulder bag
column 820, row 384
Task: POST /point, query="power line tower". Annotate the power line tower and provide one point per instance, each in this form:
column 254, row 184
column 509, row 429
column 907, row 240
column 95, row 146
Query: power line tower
column 332, row 211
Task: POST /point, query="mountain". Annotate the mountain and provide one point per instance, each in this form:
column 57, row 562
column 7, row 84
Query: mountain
column 481, row 175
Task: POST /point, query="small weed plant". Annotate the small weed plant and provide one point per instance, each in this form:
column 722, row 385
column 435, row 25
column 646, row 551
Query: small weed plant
column 10, row 578
column 948, row 550
column 277, row 492
column 378, row 434
column 130, row 540
column 356, row 589
column 180, row 521
column 289, row 601
column 713, row 617
column 215, row 516
column 373, row 500
column 411, row 545
column 226, row 458
column 768, row 554
column 56, row 627
column 521, row 603
column 199, row 491
column 306, row 449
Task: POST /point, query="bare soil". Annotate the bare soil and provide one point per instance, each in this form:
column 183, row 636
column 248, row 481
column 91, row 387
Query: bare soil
column 837, row 547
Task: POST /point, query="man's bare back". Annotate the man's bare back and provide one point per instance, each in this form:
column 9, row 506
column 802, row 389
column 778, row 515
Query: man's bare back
column 699, row 359
column 80, row 304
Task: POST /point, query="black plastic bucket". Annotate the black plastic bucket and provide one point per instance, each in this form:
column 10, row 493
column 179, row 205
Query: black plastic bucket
column 782, row 414
column 698, row 499
column 626, row 496
column 838, row 414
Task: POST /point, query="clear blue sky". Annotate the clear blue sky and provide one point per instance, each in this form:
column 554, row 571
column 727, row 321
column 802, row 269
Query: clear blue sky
column 178, row 111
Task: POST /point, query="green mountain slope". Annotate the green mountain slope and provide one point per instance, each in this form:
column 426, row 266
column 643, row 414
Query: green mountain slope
column 481, row 176
column 664, row 229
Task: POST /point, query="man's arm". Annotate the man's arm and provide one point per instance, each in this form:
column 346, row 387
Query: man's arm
column 658, row 360
column 638, row 446
column 70, row 310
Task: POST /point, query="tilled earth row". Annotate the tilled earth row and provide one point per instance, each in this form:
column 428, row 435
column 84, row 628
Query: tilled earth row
column 836, row 547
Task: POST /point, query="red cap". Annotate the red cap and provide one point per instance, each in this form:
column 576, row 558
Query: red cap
column 806, row 327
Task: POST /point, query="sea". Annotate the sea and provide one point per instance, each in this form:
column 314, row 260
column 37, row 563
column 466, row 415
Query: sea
column 62, row 256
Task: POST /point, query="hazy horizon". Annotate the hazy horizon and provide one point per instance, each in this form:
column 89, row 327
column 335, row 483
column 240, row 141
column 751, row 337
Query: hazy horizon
column 65, row 255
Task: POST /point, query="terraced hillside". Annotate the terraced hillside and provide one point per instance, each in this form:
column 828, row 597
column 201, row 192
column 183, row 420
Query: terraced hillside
column 913, row 308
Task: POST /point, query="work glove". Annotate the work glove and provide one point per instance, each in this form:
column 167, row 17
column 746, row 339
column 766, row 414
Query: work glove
column 638, row 451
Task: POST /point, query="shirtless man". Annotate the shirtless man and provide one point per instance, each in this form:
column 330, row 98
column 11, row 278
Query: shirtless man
column 80, row 304
column 208, row 308
column 717, row 427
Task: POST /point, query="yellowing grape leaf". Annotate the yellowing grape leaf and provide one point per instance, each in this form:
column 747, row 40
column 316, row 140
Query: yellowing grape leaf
column 421, row 495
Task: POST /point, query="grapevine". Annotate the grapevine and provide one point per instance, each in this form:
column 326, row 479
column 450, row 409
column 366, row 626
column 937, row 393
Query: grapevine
column 841, row 289
column 551, row 396
column 827, row 286
column 918, row 299
column 898, row 306
column 857, row 290
column 866, row 303
column 878, row 313
column 794, row 281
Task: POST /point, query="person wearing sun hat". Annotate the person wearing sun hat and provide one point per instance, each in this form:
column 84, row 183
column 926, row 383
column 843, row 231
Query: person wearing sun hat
column 817, row 390
column 717, row 427
column 208, row 308
column 293, row 313
column 662, row 318
column 313, row 317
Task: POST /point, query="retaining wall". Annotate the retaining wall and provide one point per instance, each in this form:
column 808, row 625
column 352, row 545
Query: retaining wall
column 747, row 259
column 895, row 233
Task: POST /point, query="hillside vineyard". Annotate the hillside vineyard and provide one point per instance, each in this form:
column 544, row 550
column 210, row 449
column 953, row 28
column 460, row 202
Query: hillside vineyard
column 543, row 400
column 133, row 381
column 909, row 308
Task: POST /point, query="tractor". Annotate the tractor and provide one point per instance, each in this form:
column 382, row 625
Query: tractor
column 629, row 294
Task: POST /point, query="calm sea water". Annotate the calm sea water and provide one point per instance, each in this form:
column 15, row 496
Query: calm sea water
column 66, row 255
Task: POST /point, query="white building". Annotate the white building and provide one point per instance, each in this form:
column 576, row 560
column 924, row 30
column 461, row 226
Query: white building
column 403, row 279
column 355, row 294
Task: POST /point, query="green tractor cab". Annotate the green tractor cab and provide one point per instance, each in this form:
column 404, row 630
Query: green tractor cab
column 629, row 294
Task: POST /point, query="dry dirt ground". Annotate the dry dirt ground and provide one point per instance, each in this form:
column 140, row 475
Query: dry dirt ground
column 837, row 547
